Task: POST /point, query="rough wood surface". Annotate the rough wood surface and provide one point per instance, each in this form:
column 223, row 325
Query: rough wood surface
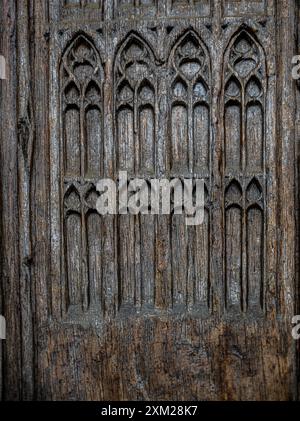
column 143, row 307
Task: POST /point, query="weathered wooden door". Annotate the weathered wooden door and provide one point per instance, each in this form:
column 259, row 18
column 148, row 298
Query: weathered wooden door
column 144, row 307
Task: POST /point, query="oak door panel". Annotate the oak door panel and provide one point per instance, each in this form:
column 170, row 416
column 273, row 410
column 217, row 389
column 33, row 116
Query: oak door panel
column 144, row 307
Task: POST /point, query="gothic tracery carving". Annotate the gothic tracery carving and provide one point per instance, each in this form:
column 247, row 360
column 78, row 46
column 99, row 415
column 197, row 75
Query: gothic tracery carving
column 244, row 110
column 82, row 160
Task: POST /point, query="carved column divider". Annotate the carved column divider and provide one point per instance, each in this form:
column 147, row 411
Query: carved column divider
column 110, row 264
column 217, row 287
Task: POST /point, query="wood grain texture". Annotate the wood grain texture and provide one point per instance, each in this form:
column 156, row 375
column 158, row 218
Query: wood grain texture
column 136, row 306
column 11, row 367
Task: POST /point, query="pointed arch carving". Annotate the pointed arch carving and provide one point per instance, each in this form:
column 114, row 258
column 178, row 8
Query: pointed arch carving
column 82, row 109
column 135, row 87
column 136, row 91
column 244, row 169
column 81, row 84
column 190, row 106
column 244, row 95
column 190, row 154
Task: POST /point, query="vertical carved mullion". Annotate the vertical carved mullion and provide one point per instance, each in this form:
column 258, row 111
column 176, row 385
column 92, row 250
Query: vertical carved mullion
column 109, row 299
column 108, row 8
column 243, row 186
column 190, row 129
column 243, row 134
column 162, row 277
column 244, row 250
column 163, row 111
column 84, row 248
column 82, row 139
column 84, row 245
column 217, row 270
column 136, row 143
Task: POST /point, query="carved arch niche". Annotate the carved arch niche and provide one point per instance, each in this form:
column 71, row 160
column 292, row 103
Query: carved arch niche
column 135, row 88
column 190, row 107
column 81, row 84
column 190, row 155
column 244, row 168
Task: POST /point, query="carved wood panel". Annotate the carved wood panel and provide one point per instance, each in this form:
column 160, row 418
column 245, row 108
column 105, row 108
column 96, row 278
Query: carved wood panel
column 189, row 152
column 244, row 170
column 160, row 89
column 82, row 162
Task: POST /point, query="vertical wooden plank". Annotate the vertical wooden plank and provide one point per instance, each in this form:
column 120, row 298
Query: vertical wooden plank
column 217, row 152
column 270, row 261
column 286, row 172
column 25, row 150
column 9, row 189
column 297, row 179
column 57, row 281
column 286, row 198
column 2, row 71
column 40, row 167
